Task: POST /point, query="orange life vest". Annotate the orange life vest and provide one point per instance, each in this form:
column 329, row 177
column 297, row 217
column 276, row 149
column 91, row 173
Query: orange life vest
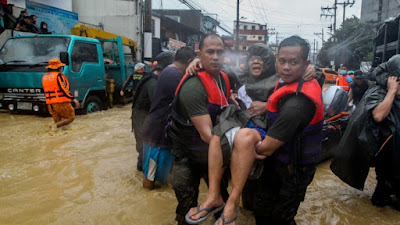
column 56, row 88
column 342, row 82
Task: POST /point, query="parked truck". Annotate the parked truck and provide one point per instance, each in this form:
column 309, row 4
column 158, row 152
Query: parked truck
column 23, row 60
column 387, row 41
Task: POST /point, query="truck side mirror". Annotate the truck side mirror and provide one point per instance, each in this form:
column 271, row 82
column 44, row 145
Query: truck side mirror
column 64, row 58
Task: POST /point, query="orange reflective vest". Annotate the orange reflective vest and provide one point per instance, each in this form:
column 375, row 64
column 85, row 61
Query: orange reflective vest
column 342, row 82
column 56, row 88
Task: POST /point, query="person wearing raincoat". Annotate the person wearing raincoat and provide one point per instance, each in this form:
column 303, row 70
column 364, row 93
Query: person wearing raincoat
column 372, row 138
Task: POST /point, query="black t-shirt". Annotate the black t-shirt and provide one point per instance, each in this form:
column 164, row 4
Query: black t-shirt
column 295, row 113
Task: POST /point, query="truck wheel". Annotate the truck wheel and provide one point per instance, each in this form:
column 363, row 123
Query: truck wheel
column 92, row 104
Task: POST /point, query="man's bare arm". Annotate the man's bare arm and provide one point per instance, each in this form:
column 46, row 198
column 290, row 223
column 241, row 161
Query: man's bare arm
column 204, row 126
column 268, row 146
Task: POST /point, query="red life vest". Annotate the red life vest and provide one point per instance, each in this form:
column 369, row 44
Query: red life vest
column 310, row 139
column 56, row 88
column 214, row 93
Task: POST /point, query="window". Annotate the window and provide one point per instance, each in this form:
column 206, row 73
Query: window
column 260, row 38
column 83, row 52
column 253, row 27
column 245, row 27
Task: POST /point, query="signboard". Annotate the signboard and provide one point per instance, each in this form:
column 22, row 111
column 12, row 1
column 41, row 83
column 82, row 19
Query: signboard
column 175, row 45
column 59, row 21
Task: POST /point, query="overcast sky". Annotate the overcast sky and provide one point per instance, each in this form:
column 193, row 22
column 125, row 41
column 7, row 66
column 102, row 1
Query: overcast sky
column 288, row 17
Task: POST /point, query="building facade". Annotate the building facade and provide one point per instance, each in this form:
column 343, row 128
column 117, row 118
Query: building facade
column 377, row 11
column 250, row 34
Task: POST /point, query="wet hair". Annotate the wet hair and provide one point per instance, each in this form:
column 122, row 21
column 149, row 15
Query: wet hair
column 163, row 60
column 296, row 41
column 207, row 36
column 185, row 54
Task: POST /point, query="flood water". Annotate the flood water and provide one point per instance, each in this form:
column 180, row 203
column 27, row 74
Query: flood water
column 86, row 174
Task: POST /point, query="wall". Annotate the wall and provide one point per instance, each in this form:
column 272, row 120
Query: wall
column 116, row 16
column 370, row 10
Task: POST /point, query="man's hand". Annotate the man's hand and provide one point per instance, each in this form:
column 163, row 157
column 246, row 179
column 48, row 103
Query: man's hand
column 256, row 154
column 121, row 93
column 257, row 108
column 233, row 98
column 191, row 69
column 310, row 73
column 392, row 84
column 77, row 105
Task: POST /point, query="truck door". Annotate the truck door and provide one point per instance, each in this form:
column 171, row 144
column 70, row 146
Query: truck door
column 85, row 69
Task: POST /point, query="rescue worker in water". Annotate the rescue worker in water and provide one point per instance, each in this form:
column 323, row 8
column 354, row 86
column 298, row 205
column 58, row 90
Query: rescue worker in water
column 57, row 94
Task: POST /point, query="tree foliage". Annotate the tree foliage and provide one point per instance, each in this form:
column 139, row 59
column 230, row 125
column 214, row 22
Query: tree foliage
column 350, row 45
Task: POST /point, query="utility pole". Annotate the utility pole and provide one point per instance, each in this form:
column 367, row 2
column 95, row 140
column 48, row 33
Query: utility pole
column 237, row 27
column 148, row 50
column 314, row 53
column 322, row 34
column 334, row 20
column 326, row 11
column 345, row 4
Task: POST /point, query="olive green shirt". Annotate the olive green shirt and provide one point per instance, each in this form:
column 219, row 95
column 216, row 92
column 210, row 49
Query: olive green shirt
column 192, row 98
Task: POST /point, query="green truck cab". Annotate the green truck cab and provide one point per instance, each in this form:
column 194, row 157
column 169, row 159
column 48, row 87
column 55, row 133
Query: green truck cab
column 23, row 60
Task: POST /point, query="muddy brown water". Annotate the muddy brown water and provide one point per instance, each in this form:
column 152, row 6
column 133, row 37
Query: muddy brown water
column 86, row 174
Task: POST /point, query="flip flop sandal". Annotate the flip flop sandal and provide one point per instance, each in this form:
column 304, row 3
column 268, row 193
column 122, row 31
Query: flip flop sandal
column 210, row 211
column 229, row 220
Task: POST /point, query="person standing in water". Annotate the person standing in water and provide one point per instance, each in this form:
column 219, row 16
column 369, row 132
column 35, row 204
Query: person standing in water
column 57, row 94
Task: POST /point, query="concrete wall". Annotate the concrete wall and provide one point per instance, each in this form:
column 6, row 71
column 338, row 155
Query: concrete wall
column 121, row 17
column 370, row 10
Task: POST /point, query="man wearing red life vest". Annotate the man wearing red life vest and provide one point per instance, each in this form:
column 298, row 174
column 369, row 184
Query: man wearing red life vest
column 57, row 94
column 199, row 101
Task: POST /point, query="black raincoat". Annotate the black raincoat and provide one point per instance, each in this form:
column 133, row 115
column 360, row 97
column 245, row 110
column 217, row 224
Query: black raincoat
column 363, row 139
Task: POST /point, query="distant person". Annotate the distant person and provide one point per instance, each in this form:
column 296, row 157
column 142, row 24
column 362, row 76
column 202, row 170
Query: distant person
column 142, row 101
column 134, row 77
column 344, row 79
column 157, row 157
column 34, row 28
column 44, row 28
column 25, row 24
column 21, row 17
column 358, row 87
column 57, row 93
